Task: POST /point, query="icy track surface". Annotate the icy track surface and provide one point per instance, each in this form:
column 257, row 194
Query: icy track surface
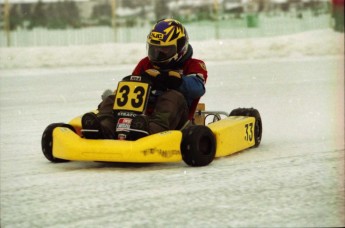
column 294, row 179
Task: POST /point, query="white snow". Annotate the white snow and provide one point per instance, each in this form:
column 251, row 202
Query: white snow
column 314, row 43
column 294, row 179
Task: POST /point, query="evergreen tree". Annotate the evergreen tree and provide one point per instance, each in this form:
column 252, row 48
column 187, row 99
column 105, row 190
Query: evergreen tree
column 62, row 15
column 161, row 9
column 38, row 17
column 54, row 18
column 102, row 13
column 26, row 13
column 15, row 17
column 73, row 17
column 19, row 14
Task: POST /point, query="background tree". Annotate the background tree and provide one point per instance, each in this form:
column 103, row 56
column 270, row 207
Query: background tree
column 62, row 15
column 54, row 20
column 161, row 9
column 38, row 17
column 72, row 17
column 102, row 13
column 15, row 17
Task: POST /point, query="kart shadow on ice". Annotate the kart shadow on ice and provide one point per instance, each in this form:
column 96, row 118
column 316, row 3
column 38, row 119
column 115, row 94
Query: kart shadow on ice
column 212, row 134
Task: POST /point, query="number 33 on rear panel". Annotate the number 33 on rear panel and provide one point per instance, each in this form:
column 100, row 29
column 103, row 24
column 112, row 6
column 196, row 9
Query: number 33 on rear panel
column 131, row 96
column 249, row 134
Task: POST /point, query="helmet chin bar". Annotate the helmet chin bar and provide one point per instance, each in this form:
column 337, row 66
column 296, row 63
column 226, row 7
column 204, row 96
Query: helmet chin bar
column 165, row 64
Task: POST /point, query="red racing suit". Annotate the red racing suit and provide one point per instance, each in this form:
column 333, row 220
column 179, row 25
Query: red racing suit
column 170, row 109
column 194, row 77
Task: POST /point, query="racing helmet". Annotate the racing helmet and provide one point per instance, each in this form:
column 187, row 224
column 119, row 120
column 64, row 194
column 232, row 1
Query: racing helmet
column 167, row 42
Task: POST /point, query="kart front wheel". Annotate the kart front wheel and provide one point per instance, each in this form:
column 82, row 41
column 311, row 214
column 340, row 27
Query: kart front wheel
column 198, row 146
column 252, row 112
column 47, row 142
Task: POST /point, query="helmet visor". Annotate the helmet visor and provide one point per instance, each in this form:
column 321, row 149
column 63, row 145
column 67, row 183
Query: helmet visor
column 161, row 53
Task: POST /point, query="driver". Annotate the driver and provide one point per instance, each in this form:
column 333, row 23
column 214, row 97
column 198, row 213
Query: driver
column 177, row 85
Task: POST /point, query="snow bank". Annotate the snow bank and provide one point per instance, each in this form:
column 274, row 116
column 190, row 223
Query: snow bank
column 315, row 43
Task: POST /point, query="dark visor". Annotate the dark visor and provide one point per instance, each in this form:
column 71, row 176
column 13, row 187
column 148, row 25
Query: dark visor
column 161, row 53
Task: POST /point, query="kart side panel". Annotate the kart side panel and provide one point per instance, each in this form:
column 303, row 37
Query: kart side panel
column 161, row 147
column 76, row 123
column 233, row 134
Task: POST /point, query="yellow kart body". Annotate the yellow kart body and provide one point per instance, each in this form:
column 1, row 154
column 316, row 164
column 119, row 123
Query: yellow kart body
column 232, row 134
column 196, row 145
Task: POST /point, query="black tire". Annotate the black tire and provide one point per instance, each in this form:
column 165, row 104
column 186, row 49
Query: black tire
column 198, row 145
column 47, row 141
column 252, row 112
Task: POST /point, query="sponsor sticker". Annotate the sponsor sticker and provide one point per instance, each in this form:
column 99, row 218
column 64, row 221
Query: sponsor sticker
column 121, row 137
column 135, row 78
column 203, row 66
column 156, row 35
column 123, row 124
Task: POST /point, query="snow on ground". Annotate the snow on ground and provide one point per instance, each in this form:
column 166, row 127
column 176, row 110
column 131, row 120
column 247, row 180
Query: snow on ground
column 314, row 43
column 294, row 179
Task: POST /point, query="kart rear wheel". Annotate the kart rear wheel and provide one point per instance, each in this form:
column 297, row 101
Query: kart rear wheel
column 252, row 112
column 198, row 145
column 47, row 141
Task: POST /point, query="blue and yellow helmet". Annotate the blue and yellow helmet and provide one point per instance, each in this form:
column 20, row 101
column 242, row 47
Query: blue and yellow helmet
column 167, row 42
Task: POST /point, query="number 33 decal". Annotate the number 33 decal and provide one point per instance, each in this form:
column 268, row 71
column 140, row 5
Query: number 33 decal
column 249, row 132
column 131, row 96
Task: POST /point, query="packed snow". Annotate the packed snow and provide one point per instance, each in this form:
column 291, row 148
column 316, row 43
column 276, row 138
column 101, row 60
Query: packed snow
column 294, row 179
column 315, row 43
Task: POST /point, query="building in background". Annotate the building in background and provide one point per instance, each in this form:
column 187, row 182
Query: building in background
column 83, row 13
column 70, row 22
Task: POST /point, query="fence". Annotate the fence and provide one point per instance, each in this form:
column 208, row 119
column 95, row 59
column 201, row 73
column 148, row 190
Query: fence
column 200, row 30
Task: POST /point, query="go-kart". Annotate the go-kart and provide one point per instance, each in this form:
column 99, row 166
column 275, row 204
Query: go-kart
column 212, row 134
